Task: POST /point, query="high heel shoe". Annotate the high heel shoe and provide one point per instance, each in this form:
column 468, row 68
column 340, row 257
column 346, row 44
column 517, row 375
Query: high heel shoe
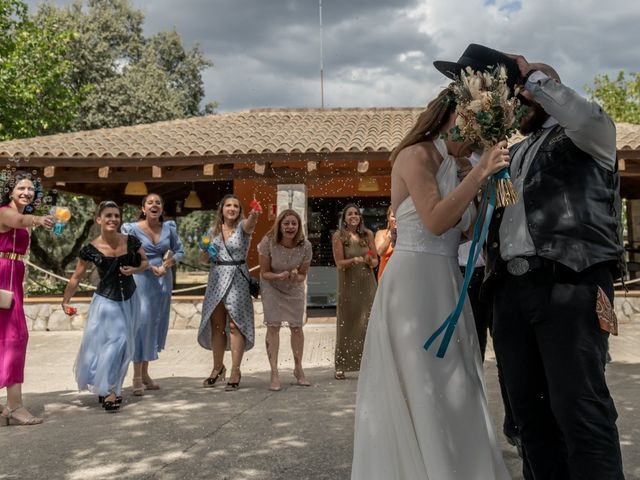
column 7, row 416
column 138, row 387
column 111, row 406
column 150, row 385
column 233, row 386
column 211, row 381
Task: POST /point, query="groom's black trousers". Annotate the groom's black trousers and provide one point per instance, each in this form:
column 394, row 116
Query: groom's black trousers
column 552, row 351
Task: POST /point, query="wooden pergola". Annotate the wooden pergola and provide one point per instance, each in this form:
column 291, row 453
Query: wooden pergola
column 213, row 153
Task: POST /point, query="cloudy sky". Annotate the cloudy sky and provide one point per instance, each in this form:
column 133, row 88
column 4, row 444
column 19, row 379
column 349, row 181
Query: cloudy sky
column 266, row 53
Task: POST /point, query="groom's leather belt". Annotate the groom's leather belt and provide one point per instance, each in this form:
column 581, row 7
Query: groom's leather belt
column 520, row 265
column 229, row 262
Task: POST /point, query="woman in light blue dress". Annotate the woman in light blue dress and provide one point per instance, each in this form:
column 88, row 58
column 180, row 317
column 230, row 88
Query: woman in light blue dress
column 227, row 311
column 108, row 341
column 163, row 248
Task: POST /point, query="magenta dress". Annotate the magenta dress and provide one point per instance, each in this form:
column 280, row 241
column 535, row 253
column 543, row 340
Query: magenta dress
column 13, row 326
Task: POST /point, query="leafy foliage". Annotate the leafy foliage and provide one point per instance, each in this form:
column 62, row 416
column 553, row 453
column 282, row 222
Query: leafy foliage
column 122, row 78
column 36, row 96
column 620, row 97
column 130, row 79
column 190, row 228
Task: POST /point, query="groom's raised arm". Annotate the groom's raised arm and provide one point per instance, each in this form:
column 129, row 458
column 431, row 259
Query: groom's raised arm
column 585, row 122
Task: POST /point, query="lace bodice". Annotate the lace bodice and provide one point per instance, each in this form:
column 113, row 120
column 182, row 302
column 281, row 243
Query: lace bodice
column 413, row 236
column 113, row 284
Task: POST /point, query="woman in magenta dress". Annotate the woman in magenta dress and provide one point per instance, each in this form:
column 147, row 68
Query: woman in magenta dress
column 18, row 191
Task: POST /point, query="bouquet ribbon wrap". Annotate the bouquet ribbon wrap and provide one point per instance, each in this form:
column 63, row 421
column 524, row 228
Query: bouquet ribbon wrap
column 480, row 231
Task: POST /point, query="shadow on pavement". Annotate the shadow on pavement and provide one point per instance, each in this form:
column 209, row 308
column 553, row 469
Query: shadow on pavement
column 186, row 431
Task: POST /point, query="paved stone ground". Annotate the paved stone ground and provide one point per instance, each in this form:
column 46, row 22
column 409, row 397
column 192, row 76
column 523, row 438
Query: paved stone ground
column 185, row 431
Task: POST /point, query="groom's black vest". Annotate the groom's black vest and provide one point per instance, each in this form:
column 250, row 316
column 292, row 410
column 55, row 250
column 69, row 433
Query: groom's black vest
column 572, row 207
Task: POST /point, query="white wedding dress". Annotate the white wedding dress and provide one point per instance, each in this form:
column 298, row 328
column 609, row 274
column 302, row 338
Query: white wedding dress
column 419, row 417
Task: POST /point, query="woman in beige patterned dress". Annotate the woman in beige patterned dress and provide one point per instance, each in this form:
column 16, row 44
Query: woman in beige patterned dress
column 285, row 257
column 355, row 255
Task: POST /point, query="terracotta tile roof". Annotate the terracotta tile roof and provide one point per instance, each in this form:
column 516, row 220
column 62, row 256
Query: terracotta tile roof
column 628, row 136
column 247, row 132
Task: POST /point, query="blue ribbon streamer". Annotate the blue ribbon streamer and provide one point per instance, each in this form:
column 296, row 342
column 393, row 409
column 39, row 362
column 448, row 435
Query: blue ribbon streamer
column 479, row 236
column 502, row 174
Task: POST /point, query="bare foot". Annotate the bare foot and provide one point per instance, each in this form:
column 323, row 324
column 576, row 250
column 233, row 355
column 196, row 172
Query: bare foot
column 275, row 382
column 301, row 380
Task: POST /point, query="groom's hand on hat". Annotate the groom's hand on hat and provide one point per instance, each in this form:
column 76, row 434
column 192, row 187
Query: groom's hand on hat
column 524, row 66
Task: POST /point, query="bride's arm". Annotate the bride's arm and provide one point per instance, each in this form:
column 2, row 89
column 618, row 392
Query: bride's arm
column 418, row 168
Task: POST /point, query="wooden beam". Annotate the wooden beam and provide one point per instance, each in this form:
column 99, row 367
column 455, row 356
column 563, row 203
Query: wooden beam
column 622, row 165
column 77, row 175
column 189, row 160
column 49, row 171
column 629, row 154
column 209, row 169
column 156, row 172
column 103, row 172
column 629, row 166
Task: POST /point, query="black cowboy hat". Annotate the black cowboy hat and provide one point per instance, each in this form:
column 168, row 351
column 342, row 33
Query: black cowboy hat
column 480, row 58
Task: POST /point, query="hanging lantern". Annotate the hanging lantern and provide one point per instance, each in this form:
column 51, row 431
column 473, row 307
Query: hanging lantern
column 192, row 200
column 137, row 189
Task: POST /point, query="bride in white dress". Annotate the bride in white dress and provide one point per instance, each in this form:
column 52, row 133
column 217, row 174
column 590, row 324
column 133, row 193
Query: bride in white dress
column 419, row 417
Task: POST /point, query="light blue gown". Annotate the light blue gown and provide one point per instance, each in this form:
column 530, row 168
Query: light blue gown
column 108, row 340
column 154, row 292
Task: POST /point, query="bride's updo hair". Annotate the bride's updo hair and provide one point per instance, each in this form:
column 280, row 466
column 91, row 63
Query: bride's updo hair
column 429, row 122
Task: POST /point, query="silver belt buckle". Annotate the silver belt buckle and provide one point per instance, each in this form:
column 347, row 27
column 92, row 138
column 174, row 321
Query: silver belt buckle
column 518, row 266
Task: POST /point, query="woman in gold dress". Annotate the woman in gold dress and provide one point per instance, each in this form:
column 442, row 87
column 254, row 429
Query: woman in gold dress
column 355, row 255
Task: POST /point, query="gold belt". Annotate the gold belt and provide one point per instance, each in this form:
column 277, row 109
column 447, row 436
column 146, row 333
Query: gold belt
column 11, row 256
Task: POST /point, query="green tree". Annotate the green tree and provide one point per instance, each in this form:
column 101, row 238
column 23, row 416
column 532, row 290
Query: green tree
column 36, row 97
column 190, row 229
column 131, row 79
column 620, row 97
column 125, row 79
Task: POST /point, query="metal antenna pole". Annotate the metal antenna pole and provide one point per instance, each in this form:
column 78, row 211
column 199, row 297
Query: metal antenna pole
column 321, row 60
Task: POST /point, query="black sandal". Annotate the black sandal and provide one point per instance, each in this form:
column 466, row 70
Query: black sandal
column 111, row 406
column 233, row 386
column 101, row 400
column 211, row 381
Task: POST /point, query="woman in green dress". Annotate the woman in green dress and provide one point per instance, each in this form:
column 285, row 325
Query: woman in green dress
column 355, row 255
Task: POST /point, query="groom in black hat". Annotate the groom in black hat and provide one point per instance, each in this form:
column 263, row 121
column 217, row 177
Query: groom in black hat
column 551, row 260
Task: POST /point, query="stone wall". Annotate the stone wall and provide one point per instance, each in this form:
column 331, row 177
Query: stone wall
column 47, row 316
column 187, row 313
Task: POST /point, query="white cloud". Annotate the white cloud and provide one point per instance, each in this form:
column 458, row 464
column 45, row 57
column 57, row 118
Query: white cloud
column 380, row 53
